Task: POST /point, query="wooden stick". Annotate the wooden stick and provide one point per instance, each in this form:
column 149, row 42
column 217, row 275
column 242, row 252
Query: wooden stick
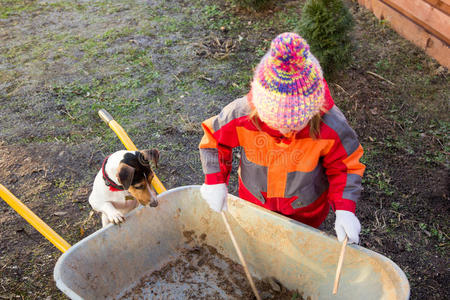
column 380, row 77
column 339, row 266
column 241, row 257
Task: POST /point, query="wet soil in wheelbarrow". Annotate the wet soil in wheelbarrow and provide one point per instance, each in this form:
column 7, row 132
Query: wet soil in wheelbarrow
column 203, row 273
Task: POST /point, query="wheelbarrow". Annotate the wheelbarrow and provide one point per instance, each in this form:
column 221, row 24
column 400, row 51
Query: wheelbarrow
column 107, row 263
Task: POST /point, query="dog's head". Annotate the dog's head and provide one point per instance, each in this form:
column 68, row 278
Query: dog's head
column 135, row 174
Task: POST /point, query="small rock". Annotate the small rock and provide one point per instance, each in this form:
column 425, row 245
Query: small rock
column 440, row 71
column 274, row 285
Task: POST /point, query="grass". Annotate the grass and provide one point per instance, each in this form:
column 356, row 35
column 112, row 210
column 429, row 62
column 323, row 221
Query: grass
column 10, row 8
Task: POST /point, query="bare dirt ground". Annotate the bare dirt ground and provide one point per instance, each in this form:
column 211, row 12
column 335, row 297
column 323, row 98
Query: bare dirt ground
column 162, row 67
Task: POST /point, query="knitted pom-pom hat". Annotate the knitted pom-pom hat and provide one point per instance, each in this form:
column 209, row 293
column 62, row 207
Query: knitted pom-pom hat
column 288, row 88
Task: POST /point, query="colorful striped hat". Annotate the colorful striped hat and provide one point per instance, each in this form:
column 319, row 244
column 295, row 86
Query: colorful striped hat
column 288, row 88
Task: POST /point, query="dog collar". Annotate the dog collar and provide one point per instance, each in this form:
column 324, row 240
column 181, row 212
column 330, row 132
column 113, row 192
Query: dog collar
column 114, row 187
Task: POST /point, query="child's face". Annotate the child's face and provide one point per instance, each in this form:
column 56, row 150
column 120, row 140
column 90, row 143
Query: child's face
column 288, row 131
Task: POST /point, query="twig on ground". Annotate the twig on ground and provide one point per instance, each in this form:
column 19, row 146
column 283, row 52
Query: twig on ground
column 400, row 126
column 92, row 156
column 341, row 88
column 399, row 215
column 384, row 119
column 439, row 141
column 378, row 224
column 178, row 79
column 206, row 78
column 380, row 77
column 4, row 267
column 445, row 234
column 67, row 113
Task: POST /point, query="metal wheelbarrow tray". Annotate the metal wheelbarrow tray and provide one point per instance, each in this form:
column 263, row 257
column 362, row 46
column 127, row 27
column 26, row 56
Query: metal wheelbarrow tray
column 108, row 262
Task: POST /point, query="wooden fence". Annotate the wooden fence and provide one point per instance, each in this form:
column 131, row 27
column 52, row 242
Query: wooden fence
column 426, row 23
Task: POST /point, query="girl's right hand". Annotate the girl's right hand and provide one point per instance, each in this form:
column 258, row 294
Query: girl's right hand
column 215, row 195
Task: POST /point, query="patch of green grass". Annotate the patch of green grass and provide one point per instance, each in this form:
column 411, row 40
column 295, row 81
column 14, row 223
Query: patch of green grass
column 10, row 8
column 121, row 93
column 66, row 190
column 166, row 24
column 14, row 7
column 380, row 181
column 290, row 19
column 218, row 18
column 395, row 205
column 413, row 134
column 254, row 4
column 212, row 11
column 382, row 66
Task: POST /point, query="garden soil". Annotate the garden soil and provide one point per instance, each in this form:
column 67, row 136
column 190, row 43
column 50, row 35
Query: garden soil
column 161, row 68
column 203, row 273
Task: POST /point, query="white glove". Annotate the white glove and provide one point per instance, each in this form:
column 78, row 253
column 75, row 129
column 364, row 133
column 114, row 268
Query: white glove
column 347, row 224
column 215, row 195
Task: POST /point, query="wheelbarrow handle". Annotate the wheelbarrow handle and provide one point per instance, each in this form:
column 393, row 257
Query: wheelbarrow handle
column 123, row 136
column 34, row 220
column 106, row 117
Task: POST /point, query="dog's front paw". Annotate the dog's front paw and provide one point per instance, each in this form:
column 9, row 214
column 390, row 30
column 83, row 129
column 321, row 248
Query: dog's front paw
column 115, row 217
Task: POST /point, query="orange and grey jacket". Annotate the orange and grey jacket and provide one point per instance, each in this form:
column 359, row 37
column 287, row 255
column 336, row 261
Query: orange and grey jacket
column 297, row 176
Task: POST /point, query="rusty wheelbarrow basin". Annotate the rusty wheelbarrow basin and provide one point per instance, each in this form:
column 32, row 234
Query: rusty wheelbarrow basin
column 106, row 263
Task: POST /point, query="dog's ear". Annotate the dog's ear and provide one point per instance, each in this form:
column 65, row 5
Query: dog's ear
column 125, row 175
column 150, row 155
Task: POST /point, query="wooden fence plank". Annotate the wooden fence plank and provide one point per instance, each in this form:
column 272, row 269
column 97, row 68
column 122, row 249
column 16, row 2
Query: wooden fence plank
column 432, row 45
column 432, row 2
column 425, row 15
column 442, row 5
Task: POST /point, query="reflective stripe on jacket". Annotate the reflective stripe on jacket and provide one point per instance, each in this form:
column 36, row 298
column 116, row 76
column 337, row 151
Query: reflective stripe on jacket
column 297, row 176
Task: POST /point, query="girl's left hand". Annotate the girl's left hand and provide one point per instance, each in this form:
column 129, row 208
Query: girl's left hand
column 347, row 224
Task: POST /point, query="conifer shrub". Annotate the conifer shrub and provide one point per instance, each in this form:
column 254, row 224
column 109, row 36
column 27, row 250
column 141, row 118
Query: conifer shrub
column 326, row 26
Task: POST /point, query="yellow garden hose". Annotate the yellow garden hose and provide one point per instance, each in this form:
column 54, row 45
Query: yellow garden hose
column 123, row 136
column 34, row 220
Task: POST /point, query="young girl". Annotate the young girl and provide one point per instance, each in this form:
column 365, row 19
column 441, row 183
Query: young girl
column 299, row 155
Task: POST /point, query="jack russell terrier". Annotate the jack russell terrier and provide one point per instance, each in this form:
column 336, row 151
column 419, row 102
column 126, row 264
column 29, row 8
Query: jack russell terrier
column 123, row 182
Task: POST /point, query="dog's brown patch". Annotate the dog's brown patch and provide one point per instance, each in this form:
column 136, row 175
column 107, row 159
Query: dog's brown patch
column 125, row 174
column 141, row 192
